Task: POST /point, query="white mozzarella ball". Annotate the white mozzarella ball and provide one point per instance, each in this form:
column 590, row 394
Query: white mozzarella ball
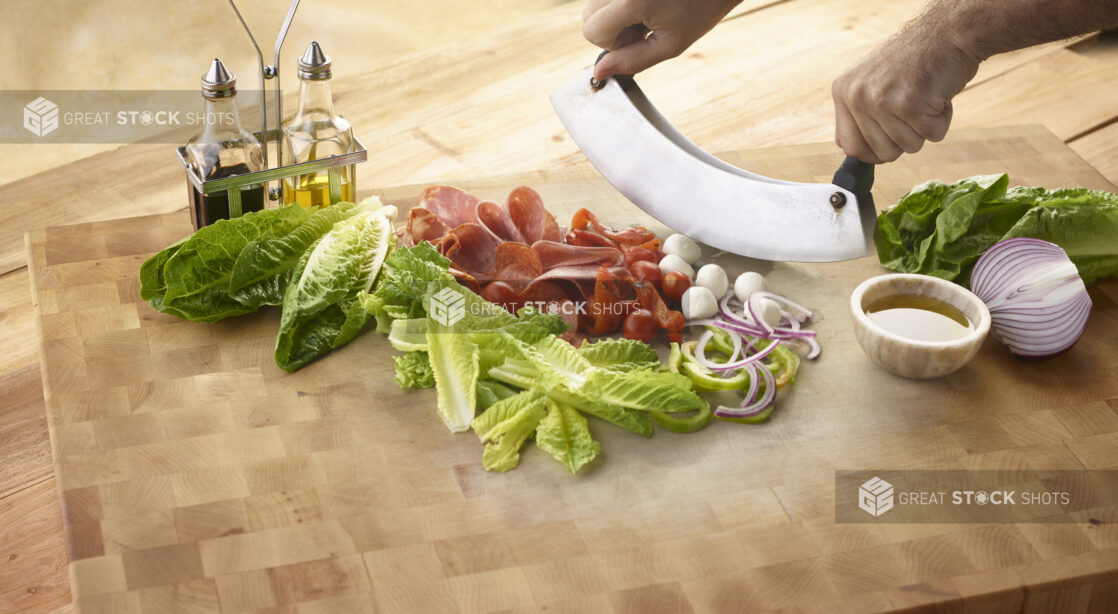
column 698, row 303
column 713, row 277
column 671, row 262
column 766, row 309
column 682, row 246
column 748, row 283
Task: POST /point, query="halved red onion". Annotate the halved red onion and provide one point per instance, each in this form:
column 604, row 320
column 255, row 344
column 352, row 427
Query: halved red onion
column 1038, row 304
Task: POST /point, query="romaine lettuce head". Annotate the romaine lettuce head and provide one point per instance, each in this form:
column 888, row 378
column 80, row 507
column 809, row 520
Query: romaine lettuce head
column 321, row 310
column 942, row 229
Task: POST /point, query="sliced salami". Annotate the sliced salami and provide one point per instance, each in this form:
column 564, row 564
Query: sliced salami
column 525, row 207
column 497, row 221
column 471, row 249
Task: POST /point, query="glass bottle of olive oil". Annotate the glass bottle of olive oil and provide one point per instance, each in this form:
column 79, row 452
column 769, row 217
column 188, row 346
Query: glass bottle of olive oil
column 314, row 132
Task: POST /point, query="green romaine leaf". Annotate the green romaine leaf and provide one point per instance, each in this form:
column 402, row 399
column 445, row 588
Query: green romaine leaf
column 506, row 425
column 153, row 287
column 643, row 390
column 620, row 354
column 263, row 268
column 413, row 370
column 564, row 434
column 454, row 361
column 489, row 392
column 942, row 229
column 321, row 307
column 197, row 274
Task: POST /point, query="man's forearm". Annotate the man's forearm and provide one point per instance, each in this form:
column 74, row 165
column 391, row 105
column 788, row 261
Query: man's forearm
column 984, row 28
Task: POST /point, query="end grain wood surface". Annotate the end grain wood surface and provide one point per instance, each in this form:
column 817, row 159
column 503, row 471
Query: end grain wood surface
column 760, row 79
column 195, row 474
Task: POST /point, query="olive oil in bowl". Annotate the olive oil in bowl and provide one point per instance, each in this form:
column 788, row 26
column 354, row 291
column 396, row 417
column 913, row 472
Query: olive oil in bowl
column 920, row 318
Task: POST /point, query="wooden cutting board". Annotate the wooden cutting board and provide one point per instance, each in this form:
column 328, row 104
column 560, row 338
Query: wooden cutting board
column 197, row 476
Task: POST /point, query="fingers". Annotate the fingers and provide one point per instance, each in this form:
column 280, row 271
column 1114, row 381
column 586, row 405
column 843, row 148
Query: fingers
column 592, row 7
column 606, row 23
column 848, row 136
column 635, row 57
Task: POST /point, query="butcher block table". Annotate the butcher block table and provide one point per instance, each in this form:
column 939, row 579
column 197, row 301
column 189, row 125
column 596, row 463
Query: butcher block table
column 197, row 476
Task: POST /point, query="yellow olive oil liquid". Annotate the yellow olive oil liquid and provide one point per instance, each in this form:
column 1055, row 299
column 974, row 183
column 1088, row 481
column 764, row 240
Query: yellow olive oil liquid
column 313, row 189
column 921, row 318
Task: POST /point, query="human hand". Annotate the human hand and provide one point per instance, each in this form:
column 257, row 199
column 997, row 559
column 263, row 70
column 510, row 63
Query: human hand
column 663, row 29
column 899, row 96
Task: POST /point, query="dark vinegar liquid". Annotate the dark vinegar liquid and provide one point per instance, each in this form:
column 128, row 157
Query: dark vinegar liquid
column 209, row 208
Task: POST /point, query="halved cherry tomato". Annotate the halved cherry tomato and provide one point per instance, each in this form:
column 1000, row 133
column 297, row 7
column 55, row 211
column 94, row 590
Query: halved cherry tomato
column 646, row 271
column 640, row 325
column 674, row 285
column 502, row 293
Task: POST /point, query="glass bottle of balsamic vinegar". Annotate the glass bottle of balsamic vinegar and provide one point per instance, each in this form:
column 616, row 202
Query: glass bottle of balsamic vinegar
column 223, row 149
column 314, row 132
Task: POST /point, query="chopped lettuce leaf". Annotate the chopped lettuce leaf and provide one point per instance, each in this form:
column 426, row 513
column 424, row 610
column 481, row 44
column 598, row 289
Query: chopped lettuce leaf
column 564, row 434
column 644, row 390
column 489, row 392
column 620, row 354
column 413, row 370
column 506, row 425
column 454, row 361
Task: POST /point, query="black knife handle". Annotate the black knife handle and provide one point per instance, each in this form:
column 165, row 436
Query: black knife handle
column 855, row 176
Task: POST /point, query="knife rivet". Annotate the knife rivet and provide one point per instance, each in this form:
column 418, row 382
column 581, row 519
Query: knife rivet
column 596, row 85
column 838, row 200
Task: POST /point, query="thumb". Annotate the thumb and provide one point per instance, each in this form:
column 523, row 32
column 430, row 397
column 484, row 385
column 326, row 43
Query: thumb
column 635, row 57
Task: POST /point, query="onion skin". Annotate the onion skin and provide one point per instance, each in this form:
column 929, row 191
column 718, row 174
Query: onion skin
column 1038, row 304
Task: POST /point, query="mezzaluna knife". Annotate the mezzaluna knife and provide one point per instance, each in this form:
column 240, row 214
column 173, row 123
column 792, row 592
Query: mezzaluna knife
column 638, row 151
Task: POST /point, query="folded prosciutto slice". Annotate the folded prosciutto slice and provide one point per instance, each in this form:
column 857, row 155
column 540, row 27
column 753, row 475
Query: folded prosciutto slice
column 554, row 254
column 451, row 205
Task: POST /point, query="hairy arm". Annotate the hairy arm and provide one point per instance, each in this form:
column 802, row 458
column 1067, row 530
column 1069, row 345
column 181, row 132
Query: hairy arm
column 899, row 96
column 988, row 27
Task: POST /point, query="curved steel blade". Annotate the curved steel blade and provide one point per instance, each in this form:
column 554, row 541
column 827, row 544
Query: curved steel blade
column 638, row 151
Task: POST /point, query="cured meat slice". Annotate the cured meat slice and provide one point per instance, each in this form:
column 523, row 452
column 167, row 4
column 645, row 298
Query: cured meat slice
column 496, row 220
column 517, row 264
column 554, row 254
column 471, row 249
column 466, row 280
column 589, row 239
column 453, row 206
column 422, row 225
column 637, row 235
column 525, row 207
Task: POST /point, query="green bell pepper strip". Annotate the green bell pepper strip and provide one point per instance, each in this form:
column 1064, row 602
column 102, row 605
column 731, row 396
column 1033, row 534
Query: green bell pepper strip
column 698, row 420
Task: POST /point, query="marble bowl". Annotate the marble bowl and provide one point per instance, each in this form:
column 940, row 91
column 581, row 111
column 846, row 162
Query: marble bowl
column 910, row 357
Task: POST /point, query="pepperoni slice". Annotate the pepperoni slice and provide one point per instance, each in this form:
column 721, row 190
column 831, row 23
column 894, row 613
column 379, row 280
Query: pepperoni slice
column 452, row 205
column 466, row 280
column 554, row 254
column 471, row 249
column 517, row 264
column 496, row 220
column 526, row 209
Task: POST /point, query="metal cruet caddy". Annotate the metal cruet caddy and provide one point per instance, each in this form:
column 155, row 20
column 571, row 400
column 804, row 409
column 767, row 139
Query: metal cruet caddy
column 235, row 186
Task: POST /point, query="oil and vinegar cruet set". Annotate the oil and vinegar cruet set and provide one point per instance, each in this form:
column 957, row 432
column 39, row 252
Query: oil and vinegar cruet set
column 227, row 167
